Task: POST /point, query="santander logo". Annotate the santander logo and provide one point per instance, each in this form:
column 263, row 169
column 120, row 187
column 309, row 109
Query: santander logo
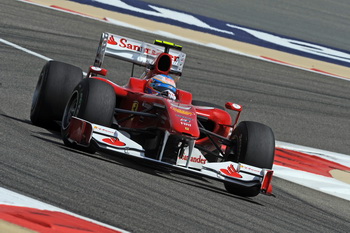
column 124, row 43
column 113, row 141
column 199, row 159
column 230, row 171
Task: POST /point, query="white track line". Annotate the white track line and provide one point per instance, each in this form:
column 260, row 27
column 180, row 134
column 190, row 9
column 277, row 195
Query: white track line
column 27, row 51
column 24, row 49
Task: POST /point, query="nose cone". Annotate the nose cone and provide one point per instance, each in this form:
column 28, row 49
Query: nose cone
column 183, row 119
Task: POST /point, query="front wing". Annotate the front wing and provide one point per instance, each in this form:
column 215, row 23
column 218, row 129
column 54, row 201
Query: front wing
column 84, row 133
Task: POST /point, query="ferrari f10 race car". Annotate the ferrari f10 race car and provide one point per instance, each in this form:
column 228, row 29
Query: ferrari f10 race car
column 152, row 120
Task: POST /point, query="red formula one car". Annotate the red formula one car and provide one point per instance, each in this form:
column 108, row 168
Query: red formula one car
column 148, row 118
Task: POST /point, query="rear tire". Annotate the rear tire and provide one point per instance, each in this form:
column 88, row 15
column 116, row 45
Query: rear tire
column 55, row 85
column 92, row 100
column 254, row 144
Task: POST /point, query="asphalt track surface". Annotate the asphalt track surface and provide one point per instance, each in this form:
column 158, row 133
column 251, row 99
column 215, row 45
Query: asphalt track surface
column 301, row 107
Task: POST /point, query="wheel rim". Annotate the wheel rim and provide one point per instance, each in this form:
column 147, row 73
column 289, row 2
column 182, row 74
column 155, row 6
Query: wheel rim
column 70, row 110
column 232, row 152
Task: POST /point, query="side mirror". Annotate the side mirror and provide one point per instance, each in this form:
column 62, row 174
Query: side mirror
column 94, row 70
column 233, row 106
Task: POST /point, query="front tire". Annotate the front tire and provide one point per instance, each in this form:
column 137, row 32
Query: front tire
column 56, row 82
column 253, row 144
column 92, row 100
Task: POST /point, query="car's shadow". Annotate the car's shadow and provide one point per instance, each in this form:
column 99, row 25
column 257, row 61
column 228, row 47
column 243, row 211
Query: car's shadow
column 164, row 171
column 145, row 166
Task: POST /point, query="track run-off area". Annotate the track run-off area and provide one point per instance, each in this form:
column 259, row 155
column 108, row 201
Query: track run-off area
column 280, row 96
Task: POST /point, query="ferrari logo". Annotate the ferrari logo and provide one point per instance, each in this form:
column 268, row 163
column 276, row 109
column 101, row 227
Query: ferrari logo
column 135, row 106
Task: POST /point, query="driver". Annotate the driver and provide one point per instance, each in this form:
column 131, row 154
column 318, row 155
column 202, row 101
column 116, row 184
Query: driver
column 161, row 84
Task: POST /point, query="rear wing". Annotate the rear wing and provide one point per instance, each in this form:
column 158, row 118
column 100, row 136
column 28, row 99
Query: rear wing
column 136, row 52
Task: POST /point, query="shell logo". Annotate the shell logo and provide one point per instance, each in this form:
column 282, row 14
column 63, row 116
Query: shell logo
column 181, row 111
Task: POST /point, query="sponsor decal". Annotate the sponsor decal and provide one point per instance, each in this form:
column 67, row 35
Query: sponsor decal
column 181, row 111
column 113, row 141
column 230, row 171
column 186, row 124
column 199, row 160
column 104, row 130
column 184, row 118
column 250, row 169
column 124, row 43
column 112, row 41
column 135, row 106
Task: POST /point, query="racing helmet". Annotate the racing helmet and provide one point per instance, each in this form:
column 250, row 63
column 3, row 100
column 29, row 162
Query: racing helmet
column 160, row 83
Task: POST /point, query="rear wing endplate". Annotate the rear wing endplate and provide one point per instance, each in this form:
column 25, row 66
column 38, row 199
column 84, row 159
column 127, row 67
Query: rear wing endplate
column 137, row 52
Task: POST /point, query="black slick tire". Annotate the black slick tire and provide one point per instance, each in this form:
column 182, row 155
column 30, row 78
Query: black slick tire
column 92, row 100
column 254, row 144
column 54, row 87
